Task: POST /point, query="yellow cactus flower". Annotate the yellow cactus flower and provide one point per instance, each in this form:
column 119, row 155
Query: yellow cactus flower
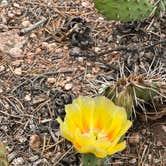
column 95, row 125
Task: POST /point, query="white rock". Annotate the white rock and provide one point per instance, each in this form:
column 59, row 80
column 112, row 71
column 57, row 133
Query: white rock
column 16, row 52
column 16, row 5
column 68, row 86
column 18, row 71
column 1, row 90
column 81, row 59
column 132, row 161
column 18, row 161
column 84, row 4
column 51, row 80
column 10, row 14
column 26, row 23
column 2, row 68
column 97, row 49
column 27, row 97
column 164, row 128
column 4, row 3
column 101, row 18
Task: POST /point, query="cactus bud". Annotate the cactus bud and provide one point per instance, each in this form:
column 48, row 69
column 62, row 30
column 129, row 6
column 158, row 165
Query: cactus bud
column 124, row 99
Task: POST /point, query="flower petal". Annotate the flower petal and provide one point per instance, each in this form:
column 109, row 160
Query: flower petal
column 95, row 125
column 118, row 147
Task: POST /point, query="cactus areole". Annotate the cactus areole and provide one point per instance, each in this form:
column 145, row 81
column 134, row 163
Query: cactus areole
column 124, row 10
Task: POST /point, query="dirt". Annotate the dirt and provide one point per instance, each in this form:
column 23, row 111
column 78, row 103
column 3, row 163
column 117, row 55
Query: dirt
column 54, row 51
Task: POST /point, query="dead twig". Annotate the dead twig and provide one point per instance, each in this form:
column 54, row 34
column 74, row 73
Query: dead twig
column 133, row 49
column 34, row 26
column 34, row 79
column 154, row 116
column 52, row 133
column 50, row 73
column 67, row 152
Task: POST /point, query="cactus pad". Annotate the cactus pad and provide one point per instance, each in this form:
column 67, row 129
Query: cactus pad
column 124, row 10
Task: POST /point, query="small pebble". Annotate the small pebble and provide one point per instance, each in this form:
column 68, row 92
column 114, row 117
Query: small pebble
column 81, row 59
column 159, row 143
column 32, row 127
column 16, row 52
column 134, row 138
column 51, row 80
column 143, row 131
column 26, row 24
column 1, row 90
column 164, row 128
column 68, row 86
column 2, row 68
column 132, row 161
column 81, row 68
column 17, row 63
column 18, row 71
column 18, row 161
column 97, row 49
column 27, row 97
column 89, row 64
column 10, row 14
column 4, row 3
column 89, row 75
column 21, row 139
column 32, row 35
column 65, row 47
column 52, row 46
column 149, row 157
column 76, row 51
column 101, row 18
column 16, row 5
column 18, row 12
column 84, row 4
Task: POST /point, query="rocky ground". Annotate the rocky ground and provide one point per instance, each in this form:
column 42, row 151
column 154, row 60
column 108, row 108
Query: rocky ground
column 46, row 61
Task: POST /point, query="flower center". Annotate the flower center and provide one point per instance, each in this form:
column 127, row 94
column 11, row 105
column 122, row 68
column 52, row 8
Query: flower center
column 96, row 133
column 99, row 134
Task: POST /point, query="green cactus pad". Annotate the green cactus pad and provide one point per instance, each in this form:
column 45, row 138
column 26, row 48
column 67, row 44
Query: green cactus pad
column 124, row 10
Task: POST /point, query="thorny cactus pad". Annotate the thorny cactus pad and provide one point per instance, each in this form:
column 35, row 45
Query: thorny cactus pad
column 125, row 10
column 129, row 91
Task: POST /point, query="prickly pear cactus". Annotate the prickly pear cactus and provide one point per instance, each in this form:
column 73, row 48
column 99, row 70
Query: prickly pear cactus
column 134, row 90
column 124, row 10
